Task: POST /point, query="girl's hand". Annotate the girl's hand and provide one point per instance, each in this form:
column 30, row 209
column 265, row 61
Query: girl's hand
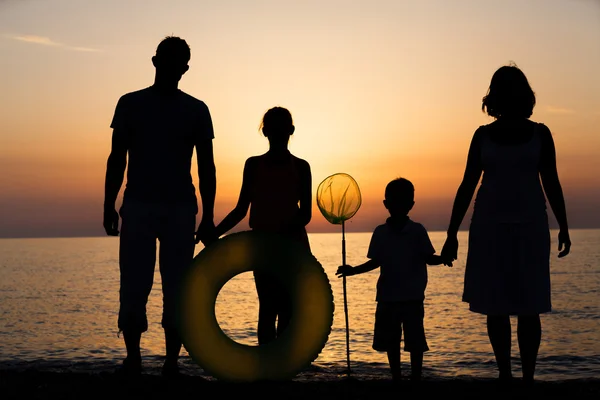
column 344, row 270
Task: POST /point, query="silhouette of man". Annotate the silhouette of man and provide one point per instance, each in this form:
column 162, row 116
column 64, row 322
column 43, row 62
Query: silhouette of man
column 155, row 131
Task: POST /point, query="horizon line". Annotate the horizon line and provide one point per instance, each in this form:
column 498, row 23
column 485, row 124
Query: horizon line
column 309, row 233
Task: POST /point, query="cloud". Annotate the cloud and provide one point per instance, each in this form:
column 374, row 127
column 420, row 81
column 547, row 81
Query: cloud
column 46, row 41
column 36, row 39
column 559, row 110
column 85, row 49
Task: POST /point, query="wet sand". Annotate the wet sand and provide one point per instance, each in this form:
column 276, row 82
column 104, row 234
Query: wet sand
column 35, row 384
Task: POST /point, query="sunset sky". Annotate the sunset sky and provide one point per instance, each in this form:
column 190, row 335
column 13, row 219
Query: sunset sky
column 377, row 88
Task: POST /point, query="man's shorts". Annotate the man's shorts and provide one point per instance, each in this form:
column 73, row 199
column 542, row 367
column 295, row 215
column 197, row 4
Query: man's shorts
column 142, row 224
column 391, row 318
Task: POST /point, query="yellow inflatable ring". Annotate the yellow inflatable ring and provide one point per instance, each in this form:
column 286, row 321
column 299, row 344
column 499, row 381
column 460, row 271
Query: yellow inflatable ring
column 305, row 281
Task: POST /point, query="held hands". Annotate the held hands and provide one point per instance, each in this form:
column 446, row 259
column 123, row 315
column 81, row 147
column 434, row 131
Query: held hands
column 563, row 241
column 345, row 270
column 111, row 221
column 447, row 262
column 450, row 250
column 206, row 233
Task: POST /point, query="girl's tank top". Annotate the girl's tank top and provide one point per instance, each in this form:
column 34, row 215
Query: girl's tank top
column 275, row 198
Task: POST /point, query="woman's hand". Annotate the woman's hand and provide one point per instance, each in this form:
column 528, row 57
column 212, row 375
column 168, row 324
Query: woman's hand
column 564, row 241
column 450, row 249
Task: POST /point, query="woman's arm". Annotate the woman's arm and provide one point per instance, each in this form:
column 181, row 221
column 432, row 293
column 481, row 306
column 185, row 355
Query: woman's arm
column 243, row 204
column 553, row 189
column 467, row 187
column 464, row 195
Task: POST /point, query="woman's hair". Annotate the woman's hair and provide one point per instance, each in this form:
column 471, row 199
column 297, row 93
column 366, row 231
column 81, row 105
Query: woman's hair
column 509, row 94
column 277, row 119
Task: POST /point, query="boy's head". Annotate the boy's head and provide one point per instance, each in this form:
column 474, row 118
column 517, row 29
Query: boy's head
column 399, row 197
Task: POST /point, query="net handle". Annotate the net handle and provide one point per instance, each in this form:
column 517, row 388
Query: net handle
column 345, row 299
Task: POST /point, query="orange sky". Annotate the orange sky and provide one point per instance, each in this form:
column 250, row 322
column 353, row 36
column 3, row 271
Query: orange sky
column 377, row 89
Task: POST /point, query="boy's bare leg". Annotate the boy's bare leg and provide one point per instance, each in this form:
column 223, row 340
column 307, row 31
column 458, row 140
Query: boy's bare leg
column 393, row 355
column 416, row 365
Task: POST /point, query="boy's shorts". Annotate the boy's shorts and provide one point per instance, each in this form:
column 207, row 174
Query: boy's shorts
column 393, row 317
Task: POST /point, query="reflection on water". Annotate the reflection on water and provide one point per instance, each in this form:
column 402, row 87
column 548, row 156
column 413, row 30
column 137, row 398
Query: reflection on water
column 59, row 302
column 237, row 309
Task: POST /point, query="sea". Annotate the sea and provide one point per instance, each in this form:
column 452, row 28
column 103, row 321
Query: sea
column 59, row 303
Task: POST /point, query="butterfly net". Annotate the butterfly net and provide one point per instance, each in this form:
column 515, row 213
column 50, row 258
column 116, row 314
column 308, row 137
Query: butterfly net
column 338, row 198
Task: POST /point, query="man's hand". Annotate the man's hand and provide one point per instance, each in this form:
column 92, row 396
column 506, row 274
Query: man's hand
column 111, row 221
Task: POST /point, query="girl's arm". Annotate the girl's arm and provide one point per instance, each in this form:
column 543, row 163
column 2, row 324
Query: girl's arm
column 305, row 214
column 243, row 204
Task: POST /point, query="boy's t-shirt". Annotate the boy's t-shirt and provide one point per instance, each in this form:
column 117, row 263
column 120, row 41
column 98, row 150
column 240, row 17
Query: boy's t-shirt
column 161, row 133
column 401, row 256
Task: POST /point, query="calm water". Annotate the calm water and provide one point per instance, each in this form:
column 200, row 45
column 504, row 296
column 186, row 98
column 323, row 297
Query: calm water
column 59, row 302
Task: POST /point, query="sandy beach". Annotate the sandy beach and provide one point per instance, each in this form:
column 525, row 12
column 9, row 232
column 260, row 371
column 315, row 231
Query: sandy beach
column 35, row 384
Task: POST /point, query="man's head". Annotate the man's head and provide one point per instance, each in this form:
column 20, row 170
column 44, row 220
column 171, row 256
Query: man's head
column 399, row 197
column 171, row 59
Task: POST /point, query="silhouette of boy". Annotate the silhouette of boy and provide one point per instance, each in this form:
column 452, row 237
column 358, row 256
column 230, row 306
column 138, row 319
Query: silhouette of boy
column 155, row 132
column 402, row 249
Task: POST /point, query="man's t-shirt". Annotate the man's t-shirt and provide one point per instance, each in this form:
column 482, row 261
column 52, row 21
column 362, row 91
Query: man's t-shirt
column 401, row 257
column 161, row 132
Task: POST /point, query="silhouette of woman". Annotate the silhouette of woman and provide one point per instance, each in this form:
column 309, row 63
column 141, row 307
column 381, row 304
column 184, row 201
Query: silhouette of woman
column 508, row 260
column 277, row 187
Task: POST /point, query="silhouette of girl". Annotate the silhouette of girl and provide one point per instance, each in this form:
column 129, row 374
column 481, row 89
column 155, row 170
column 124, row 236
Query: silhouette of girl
column 277, row 188
column 508, row 260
